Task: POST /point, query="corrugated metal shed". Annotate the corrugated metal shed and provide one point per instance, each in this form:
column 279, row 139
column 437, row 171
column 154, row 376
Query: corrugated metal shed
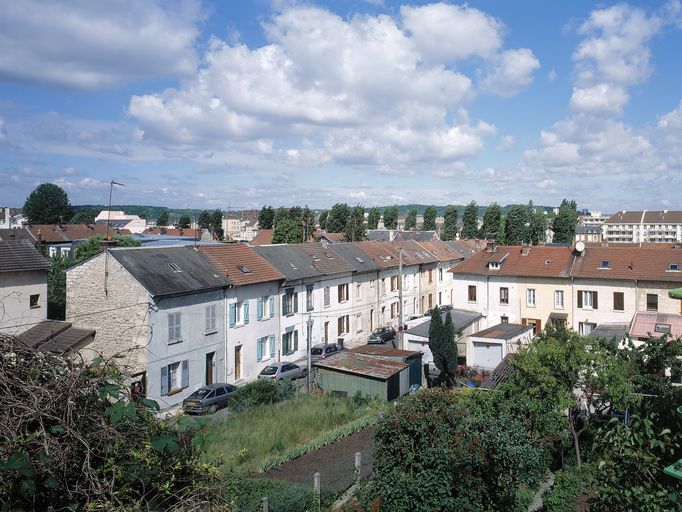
column 366, row 366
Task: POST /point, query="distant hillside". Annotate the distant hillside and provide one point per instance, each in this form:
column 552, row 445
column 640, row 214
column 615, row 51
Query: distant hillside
column 405, row 208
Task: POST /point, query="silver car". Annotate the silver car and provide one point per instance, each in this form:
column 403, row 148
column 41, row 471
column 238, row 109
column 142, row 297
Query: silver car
column 283, row 371
column 322, row 351
column 208, row 399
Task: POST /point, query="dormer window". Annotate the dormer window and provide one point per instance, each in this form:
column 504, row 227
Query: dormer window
column 548, row 262
column 174, row 267
column 359, row 260
column 674, row 267
column 605, row 264
column 293, row 266
column 494, row 265
column 244, row 269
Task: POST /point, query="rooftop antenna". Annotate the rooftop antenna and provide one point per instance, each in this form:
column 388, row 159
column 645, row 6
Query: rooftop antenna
column 106, row 244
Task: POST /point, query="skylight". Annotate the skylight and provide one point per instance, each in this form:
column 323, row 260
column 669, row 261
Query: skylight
column 605, row 264
column 674, row 267
column 174, row 267
column 293, row 266
column 360, row 260
column 329, row 255
column 662, row 328
column 244, row 269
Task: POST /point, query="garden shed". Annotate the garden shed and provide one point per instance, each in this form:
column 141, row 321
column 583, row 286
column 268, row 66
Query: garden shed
column 412, row 358
column 489, row 346
column 349, row 373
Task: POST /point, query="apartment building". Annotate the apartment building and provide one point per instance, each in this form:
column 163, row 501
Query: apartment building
column 643, row 226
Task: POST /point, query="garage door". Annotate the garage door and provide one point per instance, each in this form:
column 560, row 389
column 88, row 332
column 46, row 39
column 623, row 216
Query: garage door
column 487, row 355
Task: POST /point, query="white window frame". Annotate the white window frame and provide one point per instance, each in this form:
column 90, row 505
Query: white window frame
column 530, row 297
column 588, row 304
column 558, row 304
column 174, row 377
column 211, row 319
column 174, row 327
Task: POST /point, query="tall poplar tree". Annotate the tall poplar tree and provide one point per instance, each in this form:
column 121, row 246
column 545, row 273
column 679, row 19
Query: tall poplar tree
column 430, row 218
column 470, row 221
column 411, row 219
column 449, row 223
column 373, row 218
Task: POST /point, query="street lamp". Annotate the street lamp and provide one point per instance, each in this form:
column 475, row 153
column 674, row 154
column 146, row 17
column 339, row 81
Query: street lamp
column 309, row 323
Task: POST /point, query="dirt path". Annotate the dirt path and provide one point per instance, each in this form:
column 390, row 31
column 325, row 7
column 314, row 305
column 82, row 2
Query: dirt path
column 335, row 463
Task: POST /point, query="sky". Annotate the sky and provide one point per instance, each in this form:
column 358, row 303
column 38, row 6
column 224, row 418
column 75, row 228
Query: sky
column 210, row 104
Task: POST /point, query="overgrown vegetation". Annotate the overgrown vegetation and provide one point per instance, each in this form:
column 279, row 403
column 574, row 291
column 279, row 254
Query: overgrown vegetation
column 71, row 437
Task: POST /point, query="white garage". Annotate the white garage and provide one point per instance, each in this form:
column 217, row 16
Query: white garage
column 488, row 347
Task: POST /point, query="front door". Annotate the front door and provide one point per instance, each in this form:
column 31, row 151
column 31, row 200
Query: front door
column 237, row 362
column 210, row 368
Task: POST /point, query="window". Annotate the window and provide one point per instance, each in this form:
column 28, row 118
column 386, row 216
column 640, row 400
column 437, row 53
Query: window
column 343, row 324
column 440, row 275
column 326, row 332
column 430, row 276
column 673, row 267
column 504, row 295
column 394, row 310
column 327, row 299
column 559, row 299
column 504, row 319
column 174, row 330
column 530, row 297
column 34, row 301
column 394, row 283
column 440, row 298
column 618, row 301
column 358, row 291
column 239, row 313
column 430, row 301
column 585, row 328
column 587, row 299
column 342, row 292
column 605, row 264
column 309, row 297
column 651, row 302
column 289, row 302
column 358, row 322
column 290, row 342
column 472, row 293
column 174, row 267
column 261, row 345
column 494, row 265
column 210, row 319
column 174, row 377
column 663, row 328
column 383, row 286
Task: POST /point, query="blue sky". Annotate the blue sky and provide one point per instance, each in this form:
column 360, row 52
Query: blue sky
column 205, row 104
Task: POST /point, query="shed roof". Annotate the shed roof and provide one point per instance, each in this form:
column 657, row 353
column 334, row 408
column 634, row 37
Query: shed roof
column 610, row 331
column 501, row 374
column 362, row 365
column 170, row 270
column 503, row 331
column 54, row 336
column 647, row 324
column 382, row 350
column 240, row 264
column 461, row 319
column 21, row 255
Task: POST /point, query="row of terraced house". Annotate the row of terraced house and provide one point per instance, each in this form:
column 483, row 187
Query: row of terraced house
column 183, row 317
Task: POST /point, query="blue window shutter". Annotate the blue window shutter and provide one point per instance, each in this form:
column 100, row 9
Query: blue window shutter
column 233, row 314
column 295, row 341
column 272, row 307
column 295, row 302
column 259, row 350
column 185, row 373
column 259, row 308
column 246, row 311
column 272, row 345
column 164, row 381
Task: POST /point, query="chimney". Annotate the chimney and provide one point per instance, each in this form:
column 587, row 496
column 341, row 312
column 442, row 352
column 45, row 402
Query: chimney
column 491, row 246
column 525, row 250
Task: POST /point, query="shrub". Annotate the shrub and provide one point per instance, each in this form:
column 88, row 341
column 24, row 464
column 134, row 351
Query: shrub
column 70, row 437
column 262, row 392
column 246, row 494
column 564, row 494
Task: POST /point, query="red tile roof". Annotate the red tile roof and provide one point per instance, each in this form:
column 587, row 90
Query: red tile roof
column 240, row 264
column 192, row 233
column 380, row 253
column 264, row 237
column 64, row 233
column 540, row 261
column 629, row 263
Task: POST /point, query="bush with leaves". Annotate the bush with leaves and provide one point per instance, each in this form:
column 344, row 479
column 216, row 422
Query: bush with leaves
column 72, row 437
column 262, row 392
column 438, row 450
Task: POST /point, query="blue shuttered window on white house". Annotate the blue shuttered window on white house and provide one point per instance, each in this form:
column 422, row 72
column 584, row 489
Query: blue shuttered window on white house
column 210, row 318
column 174, row 377
column 272, row 307
column 272, row 345
column 259, row 308
column 174, row 328
column 233, row 315
column 246, row 311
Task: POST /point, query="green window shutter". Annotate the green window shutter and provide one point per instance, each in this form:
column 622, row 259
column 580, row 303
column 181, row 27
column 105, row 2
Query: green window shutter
column 580, row 299
column 259, row 308
column 272, row 345
column 272, row 307
column 246, row 311
column 185, row 373
column 164, row 381
column 233, row 314
column 259, row 350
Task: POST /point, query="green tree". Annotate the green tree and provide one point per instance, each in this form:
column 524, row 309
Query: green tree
column 162, row 219
column 373, row 218
column 516, row 230
column 184, row 222
column 565, row 222
column 216, row 224
column 337, row 218
column 288, row 231
column 308, row 219
column 492, row 220
column 538, row 226
column 356, row 230
column 82, row 218
column 411, row 220
column 266, row 217
column 391, row 217
column 323, row 219
column 47, row 204
column 281, row 213
column 205, row 220
column 430, row 218
column 470, row 221
column 450, row 223
column 502, row 239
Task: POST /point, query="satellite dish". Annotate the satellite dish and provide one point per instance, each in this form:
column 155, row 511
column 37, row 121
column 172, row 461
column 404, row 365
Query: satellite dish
column 580, row 246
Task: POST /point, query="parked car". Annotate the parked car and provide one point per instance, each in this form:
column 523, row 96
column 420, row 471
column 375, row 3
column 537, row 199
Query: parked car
column 381, row 335
column 283, row 371
column 208, row 399
column 322, row 351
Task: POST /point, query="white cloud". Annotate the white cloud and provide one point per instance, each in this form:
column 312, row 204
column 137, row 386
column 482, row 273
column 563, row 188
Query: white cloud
column 442, row 32
column 512, row 73
column 601, row 98
column 90, row 45
column 552, row 75
column 506, row 143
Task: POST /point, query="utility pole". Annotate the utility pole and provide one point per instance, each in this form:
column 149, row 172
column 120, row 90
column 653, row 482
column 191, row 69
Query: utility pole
column 106, row 242
column 309, row 325
column 400, row 298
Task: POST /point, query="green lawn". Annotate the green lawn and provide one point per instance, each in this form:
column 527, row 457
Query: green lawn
column 244, row 439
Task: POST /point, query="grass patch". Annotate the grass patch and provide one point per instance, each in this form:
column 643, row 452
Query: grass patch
column 243, row 441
